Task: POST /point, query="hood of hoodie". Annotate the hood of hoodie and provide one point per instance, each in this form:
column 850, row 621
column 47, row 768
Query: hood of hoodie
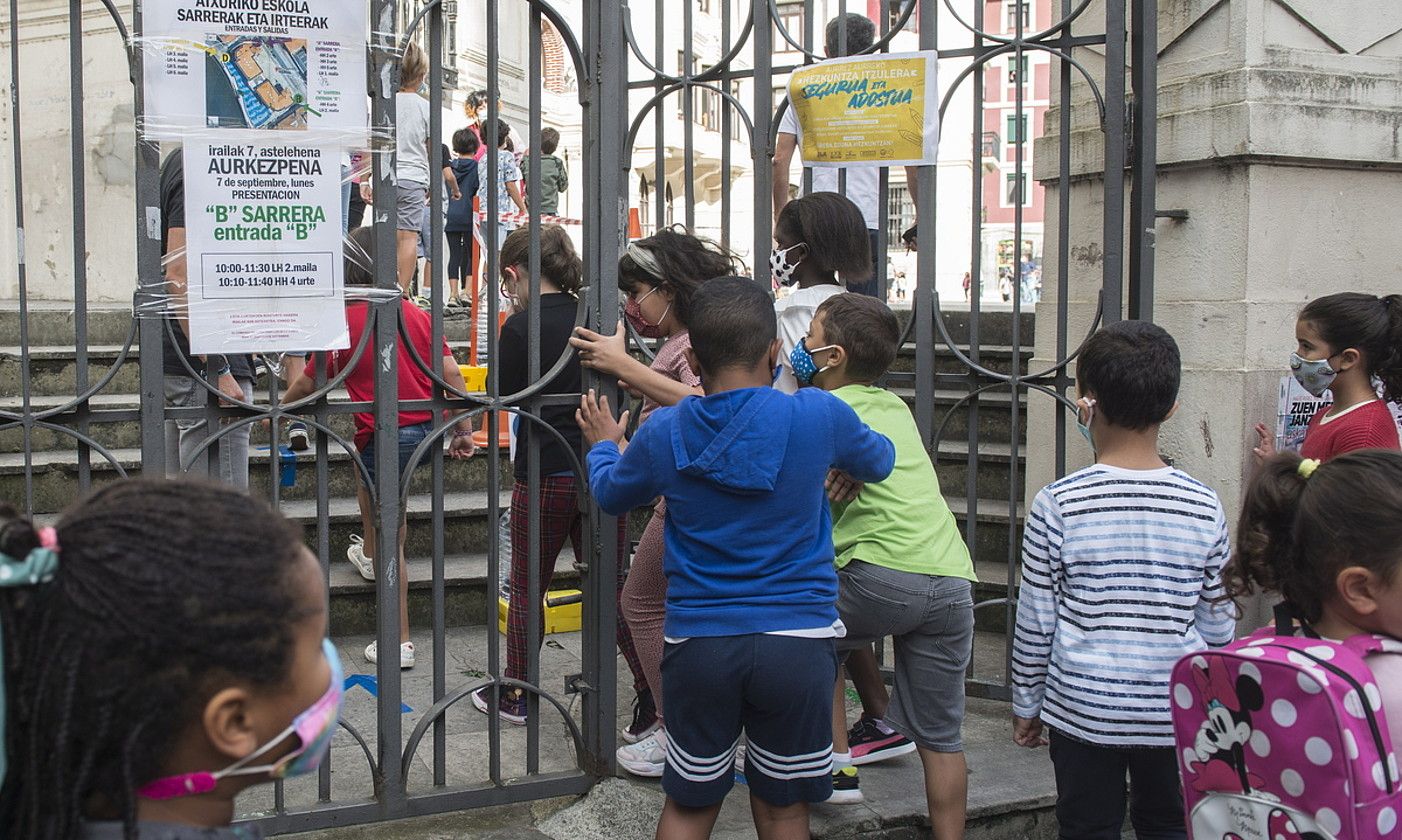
column 462, row 165
column 718, row 439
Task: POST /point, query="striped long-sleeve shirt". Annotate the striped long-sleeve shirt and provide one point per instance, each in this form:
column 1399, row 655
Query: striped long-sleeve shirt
column 1118, row 571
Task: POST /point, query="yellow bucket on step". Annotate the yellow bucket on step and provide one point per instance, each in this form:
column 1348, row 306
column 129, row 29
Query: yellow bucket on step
column 562, row 608
column 475, row 376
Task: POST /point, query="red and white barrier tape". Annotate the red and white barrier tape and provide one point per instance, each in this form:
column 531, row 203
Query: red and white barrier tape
column 523, row 218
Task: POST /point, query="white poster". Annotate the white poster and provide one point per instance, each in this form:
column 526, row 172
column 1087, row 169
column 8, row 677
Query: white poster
column 288, row 65
column 263, row 247
column 1296, row 407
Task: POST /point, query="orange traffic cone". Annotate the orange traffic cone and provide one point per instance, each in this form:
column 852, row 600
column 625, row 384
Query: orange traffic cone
column 635, row 225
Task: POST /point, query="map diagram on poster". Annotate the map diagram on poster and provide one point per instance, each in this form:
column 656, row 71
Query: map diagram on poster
column 261, row 83
column 283, row 65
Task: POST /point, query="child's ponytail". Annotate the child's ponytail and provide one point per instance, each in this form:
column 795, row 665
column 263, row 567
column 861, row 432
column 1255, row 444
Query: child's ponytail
column 559, row 261
column 1265, row 534
column 1389, row 368
column 1302, row 522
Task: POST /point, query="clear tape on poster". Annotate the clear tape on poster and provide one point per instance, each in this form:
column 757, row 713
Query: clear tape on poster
column 220, row 86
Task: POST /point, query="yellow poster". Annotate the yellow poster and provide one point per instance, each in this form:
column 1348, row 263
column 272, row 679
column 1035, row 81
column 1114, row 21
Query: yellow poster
column 877, row 109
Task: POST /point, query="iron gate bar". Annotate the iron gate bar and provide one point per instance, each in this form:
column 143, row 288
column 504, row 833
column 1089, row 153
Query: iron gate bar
column 602, row 66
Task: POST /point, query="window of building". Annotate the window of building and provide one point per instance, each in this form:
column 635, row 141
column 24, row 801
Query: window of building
column 790, row 16
column 899, row 212
column 645, row 204
column 1016, row 190
column 1018, row 71
column 704, row 6
column 1017, row 13
column 894, row 10
column 708, row 106
column 1017, row 129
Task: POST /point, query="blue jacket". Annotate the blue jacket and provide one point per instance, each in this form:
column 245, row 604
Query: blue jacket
column 749, row 534
column 460, row 211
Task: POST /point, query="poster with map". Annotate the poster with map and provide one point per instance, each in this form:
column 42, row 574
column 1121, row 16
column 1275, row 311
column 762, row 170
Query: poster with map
column 267, row 65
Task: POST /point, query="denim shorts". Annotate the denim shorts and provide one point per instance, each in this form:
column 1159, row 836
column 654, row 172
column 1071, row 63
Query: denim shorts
column 931, row 622
column 409, row 439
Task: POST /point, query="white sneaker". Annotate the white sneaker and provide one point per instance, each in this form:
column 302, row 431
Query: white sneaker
column 356, row 554
column 406, row 654
column 646, row 758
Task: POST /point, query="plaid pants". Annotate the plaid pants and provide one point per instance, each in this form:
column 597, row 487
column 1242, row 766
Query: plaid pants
column 560, row 518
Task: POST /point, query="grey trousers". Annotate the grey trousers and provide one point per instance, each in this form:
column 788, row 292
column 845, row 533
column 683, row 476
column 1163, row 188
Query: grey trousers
column 184, row 437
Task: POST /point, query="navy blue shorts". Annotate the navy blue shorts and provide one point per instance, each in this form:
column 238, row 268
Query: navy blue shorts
column 409, row 439
column 777, row 690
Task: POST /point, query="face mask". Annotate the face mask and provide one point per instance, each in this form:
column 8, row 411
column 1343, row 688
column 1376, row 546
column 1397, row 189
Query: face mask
column 1089, row 405
column 1314, row 375
column 313, row 729
column 633, row 311
column 781, row 268
column 801, row 360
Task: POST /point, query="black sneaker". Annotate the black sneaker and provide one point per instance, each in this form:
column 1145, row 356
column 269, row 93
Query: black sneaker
column 872, row 740
column 644, row 718
column 846, row 789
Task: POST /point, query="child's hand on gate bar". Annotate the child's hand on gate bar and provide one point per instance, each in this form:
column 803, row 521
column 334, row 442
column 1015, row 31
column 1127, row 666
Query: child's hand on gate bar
column 596, row 420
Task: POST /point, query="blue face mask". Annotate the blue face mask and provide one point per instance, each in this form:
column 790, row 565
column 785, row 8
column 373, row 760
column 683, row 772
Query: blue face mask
column 801, row 360
column 1089, row 405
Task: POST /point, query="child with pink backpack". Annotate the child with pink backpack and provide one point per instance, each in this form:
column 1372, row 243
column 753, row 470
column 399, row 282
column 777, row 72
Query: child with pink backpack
column 1291, row 733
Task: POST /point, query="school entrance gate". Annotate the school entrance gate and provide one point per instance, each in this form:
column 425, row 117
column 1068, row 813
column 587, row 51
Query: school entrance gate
column 669, row 112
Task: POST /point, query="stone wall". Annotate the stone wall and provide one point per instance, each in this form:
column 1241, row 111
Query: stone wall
column 1280, row 132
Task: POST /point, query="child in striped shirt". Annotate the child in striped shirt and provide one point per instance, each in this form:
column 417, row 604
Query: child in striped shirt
column 1121, row 575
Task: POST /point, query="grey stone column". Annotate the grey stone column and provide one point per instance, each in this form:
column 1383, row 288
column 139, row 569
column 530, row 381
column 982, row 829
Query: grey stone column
column 1280, row 134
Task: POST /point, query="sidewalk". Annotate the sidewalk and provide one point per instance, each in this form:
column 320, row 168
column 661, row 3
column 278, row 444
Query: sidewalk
column 1010, row 789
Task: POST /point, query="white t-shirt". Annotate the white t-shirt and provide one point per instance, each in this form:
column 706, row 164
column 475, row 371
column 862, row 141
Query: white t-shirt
column 863, row 182
column 411, row 137
column 795, row 313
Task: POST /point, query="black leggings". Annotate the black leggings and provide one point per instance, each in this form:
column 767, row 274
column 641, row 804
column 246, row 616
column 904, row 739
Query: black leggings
column 459, row 259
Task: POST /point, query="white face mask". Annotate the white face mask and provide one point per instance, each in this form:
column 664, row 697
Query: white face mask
column 780, row 267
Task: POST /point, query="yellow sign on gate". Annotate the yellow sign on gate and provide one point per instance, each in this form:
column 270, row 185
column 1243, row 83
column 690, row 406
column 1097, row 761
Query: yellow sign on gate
column 881, row 109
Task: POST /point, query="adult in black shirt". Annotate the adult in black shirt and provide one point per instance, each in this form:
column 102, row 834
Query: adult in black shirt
column 234, row 372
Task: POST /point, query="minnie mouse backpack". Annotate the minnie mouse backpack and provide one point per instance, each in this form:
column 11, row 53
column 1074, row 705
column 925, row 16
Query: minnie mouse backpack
column 1284, row 738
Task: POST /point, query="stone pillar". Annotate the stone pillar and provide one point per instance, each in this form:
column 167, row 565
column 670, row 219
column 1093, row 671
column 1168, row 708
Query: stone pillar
column 108, row 156
column 1280, row 133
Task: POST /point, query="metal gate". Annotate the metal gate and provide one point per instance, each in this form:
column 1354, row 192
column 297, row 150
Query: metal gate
column 92, row 426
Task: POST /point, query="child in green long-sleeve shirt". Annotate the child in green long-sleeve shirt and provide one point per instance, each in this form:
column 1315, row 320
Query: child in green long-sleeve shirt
column 554, row 177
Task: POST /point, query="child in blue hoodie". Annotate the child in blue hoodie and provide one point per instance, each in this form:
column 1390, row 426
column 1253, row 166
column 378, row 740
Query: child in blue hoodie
column 751, row 588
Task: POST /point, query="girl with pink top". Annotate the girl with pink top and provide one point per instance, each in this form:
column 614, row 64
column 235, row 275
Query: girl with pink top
column 659, row 275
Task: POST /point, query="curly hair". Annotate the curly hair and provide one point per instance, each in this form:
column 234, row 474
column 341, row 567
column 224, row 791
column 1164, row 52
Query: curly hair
column 1296, row 534
column 680, row 263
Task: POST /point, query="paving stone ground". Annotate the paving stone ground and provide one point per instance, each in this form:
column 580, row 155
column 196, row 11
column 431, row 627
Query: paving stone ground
column 1010, row 789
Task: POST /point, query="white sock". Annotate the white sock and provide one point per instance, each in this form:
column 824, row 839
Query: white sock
column 841, row 759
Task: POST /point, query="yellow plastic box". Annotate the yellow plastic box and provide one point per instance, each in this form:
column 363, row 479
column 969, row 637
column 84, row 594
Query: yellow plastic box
column 475, row 376
column 559, row 618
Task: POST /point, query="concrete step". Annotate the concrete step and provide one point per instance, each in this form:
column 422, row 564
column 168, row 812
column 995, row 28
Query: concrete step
column 994, row 420
column 53, row 369
column 470, row 594
column 55, row 322
column 56, row 475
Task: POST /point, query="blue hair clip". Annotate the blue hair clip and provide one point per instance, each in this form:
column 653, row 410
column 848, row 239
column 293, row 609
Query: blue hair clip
column 37, row 567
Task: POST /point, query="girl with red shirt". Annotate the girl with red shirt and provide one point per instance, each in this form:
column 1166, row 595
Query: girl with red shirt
column 1344, row 342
